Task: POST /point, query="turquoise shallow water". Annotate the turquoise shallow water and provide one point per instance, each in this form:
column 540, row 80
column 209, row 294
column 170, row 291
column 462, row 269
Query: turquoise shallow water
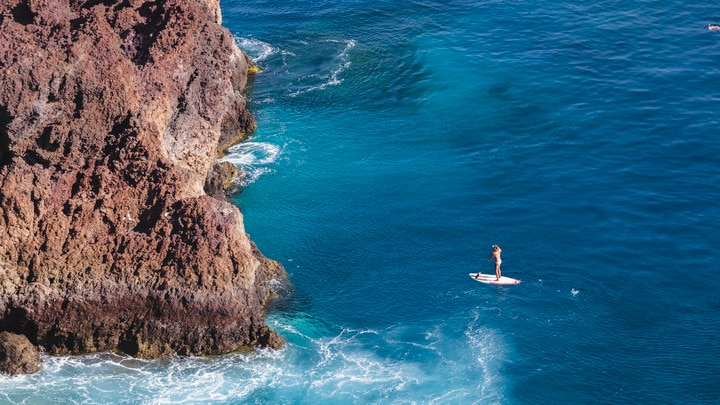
column 398, row 141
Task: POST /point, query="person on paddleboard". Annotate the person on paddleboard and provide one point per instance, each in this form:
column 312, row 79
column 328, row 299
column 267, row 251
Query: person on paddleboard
column 498, row 261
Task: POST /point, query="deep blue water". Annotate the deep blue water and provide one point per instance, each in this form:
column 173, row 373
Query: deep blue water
column 398, row 141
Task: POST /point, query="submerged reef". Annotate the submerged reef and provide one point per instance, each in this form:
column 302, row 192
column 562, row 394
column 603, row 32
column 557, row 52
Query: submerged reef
column 114, row 230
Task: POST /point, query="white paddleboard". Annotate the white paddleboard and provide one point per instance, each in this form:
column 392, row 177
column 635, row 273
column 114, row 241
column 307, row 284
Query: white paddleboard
column 491, row 279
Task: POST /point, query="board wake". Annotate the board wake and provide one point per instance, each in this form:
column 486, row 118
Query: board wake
column 490, row 279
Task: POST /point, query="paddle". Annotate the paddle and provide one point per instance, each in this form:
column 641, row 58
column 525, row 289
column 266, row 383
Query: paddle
column 482, row 268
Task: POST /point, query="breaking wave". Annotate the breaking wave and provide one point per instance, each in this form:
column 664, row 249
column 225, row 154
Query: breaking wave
column 255, row 158
column 257, row 50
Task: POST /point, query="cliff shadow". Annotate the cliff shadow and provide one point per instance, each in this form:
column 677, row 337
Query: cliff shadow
column 5, row 154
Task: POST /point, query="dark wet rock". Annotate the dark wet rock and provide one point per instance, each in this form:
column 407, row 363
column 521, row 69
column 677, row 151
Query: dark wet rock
column 224, row 178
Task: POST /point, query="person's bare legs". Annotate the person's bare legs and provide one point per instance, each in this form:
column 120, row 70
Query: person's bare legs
column 497, row 271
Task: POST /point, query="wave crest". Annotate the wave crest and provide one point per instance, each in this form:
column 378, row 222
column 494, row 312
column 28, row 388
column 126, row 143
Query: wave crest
column 257, row 50
column 341, row 62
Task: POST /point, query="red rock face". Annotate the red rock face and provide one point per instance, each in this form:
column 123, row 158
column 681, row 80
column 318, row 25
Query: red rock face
column 111, row 113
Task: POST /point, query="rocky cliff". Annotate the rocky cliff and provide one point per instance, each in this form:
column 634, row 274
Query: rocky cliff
column 111, row 113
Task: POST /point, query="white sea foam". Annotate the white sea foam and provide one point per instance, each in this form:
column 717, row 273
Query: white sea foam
column 255, row 158
column 317, row 365
column 257, row 50
column 489, row 352
column 384, row 365
column 299, row 81
column 347, row 370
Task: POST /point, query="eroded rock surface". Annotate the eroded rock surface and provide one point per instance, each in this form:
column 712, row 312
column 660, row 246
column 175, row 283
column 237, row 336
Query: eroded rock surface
column 18, row 355
column 111, row 113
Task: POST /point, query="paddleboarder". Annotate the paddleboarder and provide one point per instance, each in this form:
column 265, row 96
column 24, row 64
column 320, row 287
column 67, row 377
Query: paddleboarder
column 498, row 261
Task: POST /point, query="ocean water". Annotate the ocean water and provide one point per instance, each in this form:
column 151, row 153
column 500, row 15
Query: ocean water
column 399, row 140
